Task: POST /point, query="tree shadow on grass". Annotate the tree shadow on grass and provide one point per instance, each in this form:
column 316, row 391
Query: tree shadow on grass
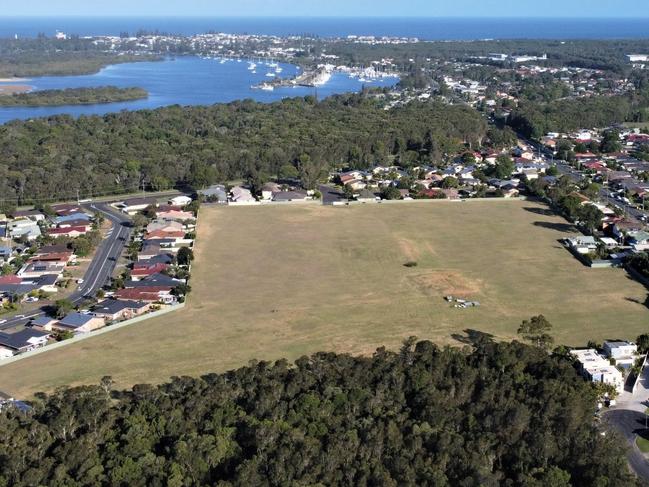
column 631, row 278
column 540, row 211
column 637, row 301
column 473, row 337
column 558, row 227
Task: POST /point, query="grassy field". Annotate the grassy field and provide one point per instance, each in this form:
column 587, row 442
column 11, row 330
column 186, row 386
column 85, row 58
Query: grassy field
column 272, row 282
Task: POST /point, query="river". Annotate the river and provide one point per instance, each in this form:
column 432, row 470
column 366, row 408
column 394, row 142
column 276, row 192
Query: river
column 187, row 80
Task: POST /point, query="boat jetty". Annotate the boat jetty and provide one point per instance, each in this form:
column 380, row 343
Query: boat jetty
column 320, row 75
column 310, row 78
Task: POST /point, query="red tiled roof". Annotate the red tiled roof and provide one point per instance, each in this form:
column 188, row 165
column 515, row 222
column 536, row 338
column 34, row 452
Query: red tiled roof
column 146, row 270
column 65, row 231
column 52, row 257
column 10, row 279
column 139, row 294
column 163, row 234
column 584, row 155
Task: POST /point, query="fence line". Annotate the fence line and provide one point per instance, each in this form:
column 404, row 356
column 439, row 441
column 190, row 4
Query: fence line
column 85, row 336
column 424, row 200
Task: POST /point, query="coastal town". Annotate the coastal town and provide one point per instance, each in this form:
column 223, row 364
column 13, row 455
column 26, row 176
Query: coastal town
column 237, row 291
column 46, row 296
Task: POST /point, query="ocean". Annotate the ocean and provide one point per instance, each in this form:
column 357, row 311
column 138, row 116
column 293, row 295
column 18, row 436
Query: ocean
column 423, row 28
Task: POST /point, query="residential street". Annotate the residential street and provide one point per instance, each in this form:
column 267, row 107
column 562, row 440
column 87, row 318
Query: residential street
column 565, row 169
column 102, row 265
column 628, row 418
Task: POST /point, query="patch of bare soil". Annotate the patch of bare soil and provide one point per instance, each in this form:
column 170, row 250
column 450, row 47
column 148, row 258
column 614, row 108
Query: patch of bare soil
column 444, row 283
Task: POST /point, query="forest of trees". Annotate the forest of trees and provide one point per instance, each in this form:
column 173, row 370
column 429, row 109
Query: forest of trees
column 53, row 158
column 43, row 56
column 535, row 118
column 73, row 96
column 496, row 414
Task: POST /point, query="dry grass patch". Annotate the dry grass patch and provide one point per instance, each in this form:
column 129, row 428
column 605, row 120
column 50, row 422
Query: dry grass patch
column 284, row 281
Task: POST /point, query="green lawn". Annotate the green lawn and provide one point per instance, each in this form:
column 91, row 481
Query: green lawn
column 283, row 281
column 643, row 444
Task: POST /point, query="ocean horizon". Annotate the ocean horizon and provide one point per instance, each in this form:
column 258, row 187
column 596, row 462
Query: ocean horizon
column 431, row 29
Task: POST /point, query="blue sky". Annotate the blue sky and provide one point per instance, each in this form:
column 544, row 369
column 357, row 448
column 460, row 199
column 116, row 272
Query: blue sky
column 343, row 8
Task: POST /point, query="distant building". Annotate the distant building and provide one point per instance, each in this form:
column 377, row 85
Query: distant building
column 637, row 58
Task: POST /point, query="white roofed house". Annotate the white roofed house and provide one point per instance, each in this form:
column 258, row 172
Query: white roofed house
column 624, row 353
column 133, row 205
column 596, row 368
column 639, row 240
column 583, row 244
column 181, row 200
column 241, row 195
column 24, row 228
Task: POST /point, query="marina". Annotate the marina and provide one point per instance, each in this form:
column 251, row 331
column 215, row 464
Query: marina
column 213, row 80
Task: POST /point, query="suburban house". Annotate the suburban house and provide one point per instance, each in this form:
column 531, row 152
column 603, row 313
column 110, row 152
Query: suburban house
column 24, row 228
column 366, row 196
column 145, row 269
column 268, row 189
column 12, row 286
column 67, row 209
column 62, row 257
column 164, row 226
column 43, row 323
column 34, row 215
column 23, row 340
column 215, row 193
column 180, row 200
column 38, row 269
column 583, row 244
column 639, row 240
column 241, row 195
column 151, row 294
column 162, row 235
column 596, row 368
column 79, row 323
column 72, row 217
column 288, row 196
column 622, row 227
column 624, row 353
column 134, row 205
column 72, row 232
column 177, row 215
column 114, row 309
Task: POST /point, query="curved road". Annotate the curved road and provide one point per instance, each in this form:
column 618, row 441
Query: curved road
column 102, row 265
column 629, row 423
column 628, row 419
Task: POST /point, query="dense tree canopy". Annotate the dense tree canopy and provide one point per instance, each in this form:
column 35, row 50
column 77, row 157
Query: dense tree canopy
column 52, row 158
column 73, row 96
column 500, row 414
